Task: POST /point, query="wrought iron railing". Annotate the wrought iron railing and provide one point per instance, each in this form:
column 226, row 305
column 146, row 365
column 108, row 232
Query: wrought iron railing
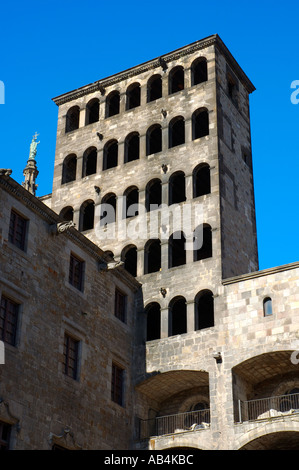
column 266, row 408
column 171, row 424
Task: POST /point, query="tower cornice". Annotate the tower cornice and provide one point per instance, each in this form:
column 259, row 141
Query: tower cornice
column 157, row 63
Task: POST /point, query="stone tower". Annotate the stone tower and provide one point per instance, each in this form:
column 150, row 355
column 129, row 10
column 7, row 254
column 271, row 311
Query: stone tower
column 174, row 131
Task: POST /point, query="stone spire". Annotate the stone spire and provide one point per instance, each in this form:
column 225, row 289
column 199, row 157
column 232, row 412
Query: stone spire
column 30, row 171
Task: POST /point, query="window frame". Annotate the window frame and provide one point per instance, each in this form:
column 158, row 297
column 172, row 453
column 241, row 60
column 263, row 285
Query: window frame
column 13, row 226
column 3, row 329
column 5, row 443
column 77, row 284
column 69, row 370
column 120, row 311
column 117, row 384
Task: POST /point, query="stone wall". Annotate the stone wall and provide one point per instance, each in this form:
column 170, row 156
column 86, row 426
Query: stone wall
column 41, row 398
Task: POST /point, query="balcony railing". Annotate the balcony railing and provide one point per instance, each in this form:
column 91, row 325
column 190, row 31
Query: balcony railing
column 171, row 424
column 266, row 408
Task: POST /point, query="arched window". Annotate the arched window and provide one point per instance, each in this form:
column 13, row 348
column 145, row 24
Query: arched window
column 129, row 257
column 67, row 213
column 112, row 104
column 267, row 306
column 110, row 156
column 132, row 147
column 108, row 209
column 204, row 310
column 153, row 194
column 176, row 80
column 154, row 139
column 200, row 123
column 152, row 256
column 72, row 119
column 176, row 250
column 133, row 96
column 86, row 216
column 154, row 88
column 201, row 180
column 89, row 162
column 177, row 316
column 177, row 188
column 202, row 242
column 92, row 111
column 199, row 71
column 153, row 321
column 69, row 169
column 176, row 131
column 131, row 198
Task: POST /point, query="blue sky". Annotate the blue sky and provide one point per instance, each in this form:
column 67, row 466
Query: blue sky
column 49, row 47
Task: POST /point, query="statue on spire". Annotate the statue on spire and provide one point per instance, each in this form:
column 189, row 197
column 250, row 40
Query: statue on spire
column 33, row 147
column 30, row 171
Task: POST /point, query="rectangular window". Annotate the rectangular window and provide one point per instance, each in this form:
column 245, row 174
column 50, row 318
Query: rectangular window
column 71, row 354
column 120, row 305
column 117, row 385
column 4, row 435
column 9, row 311
column 76, row 272
column 17, row 230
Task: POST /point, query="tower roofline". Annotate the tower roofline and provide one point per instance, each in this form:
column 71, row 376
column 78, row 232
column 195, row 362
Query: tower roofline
column 155, row 63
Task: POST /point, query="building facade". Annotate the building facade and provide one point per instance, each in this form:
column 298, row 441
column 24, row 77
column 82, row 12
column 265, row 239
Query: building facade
column 67, row 322
column 154, row 166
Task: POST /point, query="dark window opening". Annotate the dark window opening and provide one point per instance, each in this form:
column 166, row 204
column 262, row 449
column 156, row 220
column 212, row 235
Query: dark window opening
column 201, row 180
column 129, row 257
column 176, row 132
column 153, row 321
column 72, row 119
column 232, row 89
column 70, row 354
column 153, row 195
column 152, row 256
column 133, row 96
column 132, row 147
column 5, row 430
column 112, row 104
column 8, row 320
column 17, row 230
column 178, row 317
column 108, row 210
column 176, row 80
column 89, row 162
column 154, row 88
column 177, row 188
column 69, row 169
column 76, row 272
column 267, row 305
column 131, row 202
column 177, row 252
column 154, row 139
column 120, row 305
column 199, row 71
column 200, row 124
column 117, row 385
column 202, row 242
column 110, row 158
column 87, row 216
column 204, row 310
column 67, row 213
column 92, row 111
